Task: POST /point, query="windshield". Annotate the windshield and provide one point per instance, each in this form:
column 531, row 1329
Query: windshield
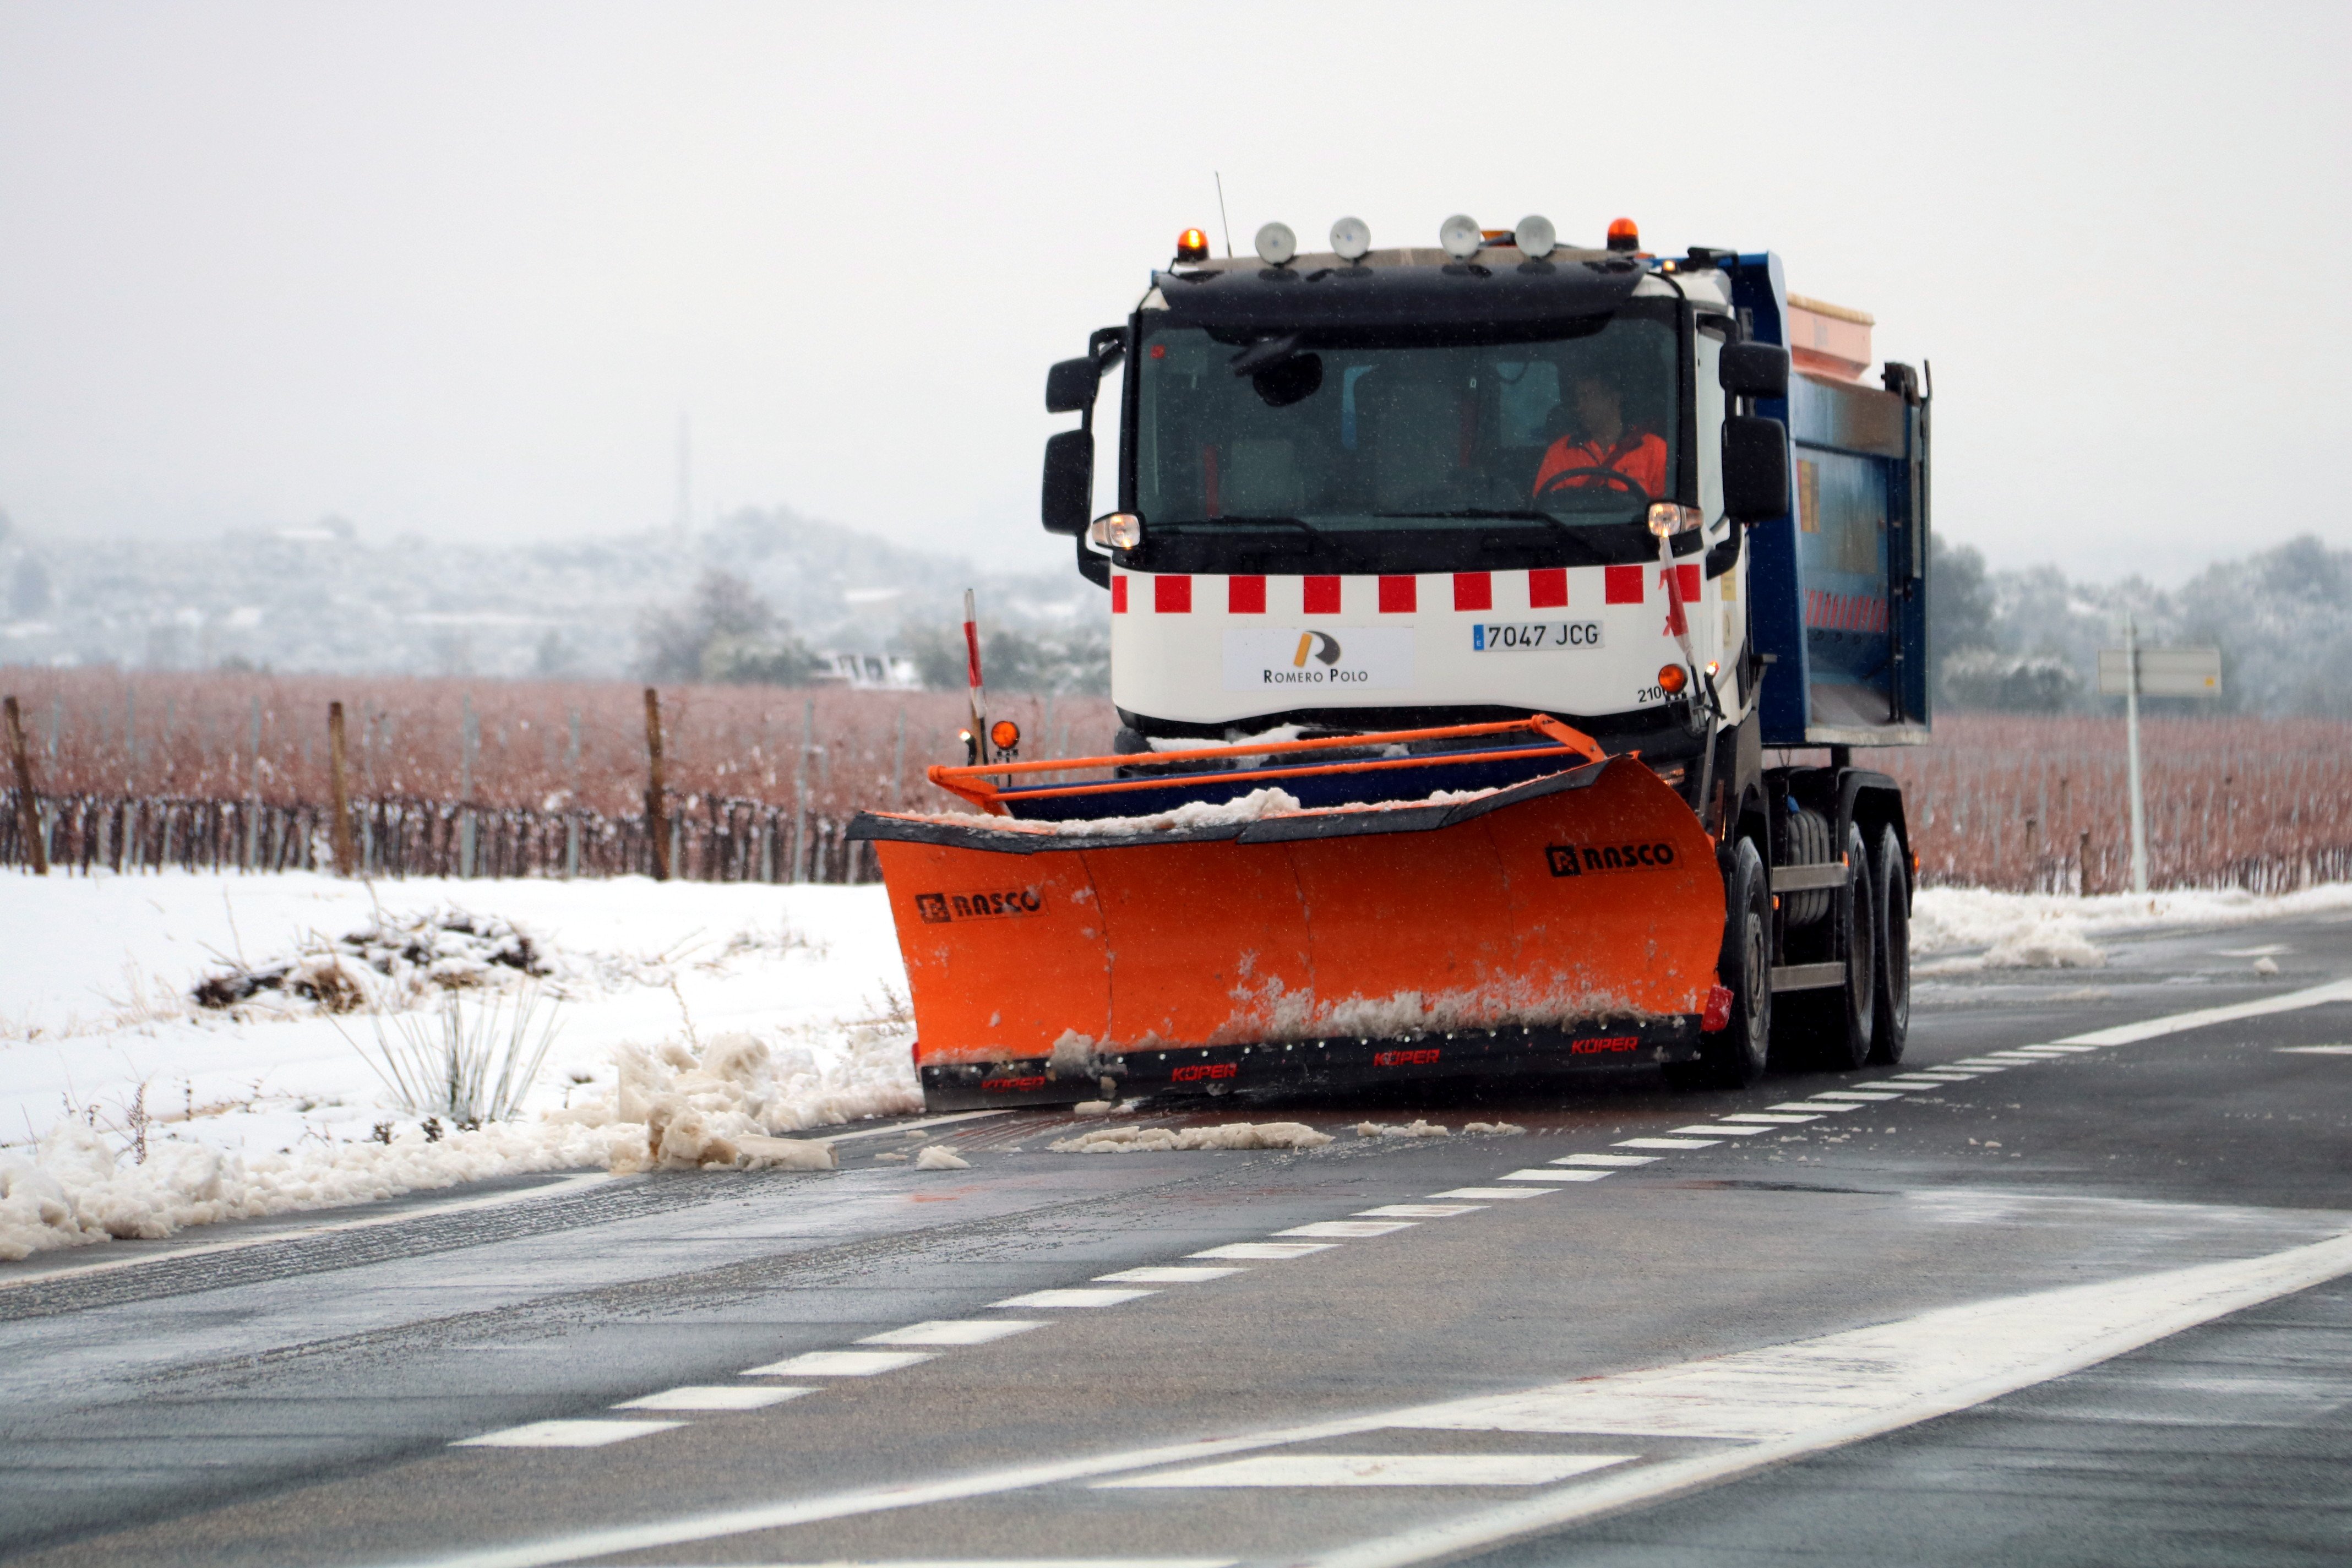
column 1346, row 431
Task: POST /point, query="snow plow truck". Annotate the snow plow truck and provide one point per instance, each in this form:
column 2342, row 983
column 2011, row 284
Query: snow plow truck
column 1492, row 628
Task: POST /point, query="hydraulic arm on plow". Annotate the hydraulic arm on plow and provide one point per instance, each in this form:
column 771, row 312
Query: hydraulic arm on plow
column 1455, row 596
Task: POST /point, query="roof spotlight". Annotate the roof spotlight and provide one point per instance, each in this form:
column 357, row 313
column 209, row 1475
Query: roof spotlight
column 1537, row 237
column 1276, row 245
column 1461, row 236
column 1351, row 239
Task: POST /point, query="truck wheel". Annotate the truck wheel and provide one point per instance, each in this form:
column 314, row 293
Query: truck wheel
column 1734, row 1056
column 1836, row 1028
column 1890, row 891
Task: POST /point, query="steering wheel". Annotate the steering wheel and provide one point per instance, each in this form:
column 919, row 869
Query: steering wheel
column 1565, row 478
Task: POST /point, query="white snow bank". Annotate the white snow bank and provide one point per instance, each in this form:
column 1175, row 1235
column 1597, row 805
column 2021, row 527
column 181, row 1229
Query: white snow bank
column 2048, row 931
column 696, row 1024
column 1415, row 1129
column 1224, row 1135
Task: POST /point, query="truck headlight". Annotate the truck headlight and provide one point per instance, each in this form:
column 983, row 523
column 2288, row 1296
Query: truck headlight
column 1115, row 530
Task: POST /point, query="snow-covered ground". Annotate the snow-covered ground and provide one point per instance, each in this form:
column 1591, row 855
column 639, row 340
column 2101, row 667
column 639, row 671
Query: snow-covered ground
column 691, row 1020
column 694, row 1022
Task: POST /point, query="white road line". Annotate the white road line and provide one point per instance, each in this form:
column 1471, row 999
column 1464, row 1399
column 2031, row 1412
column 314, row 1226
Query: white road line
column 1727, row 1130
column 1085, row 1296
column 566, row 1435
column 1418, row 1211
column 1814, row 1106
column 1611, row 1159
column 903, row 1126
column 1379, row 1470
column 952, row 1331
column 1863, row 1094
column 557, row 1188
column 1791, row 1400
column 2314, row 1050
column 743, row 1396
column 839, row 1363
column 2132, row 1033
column 1348, row 1229
column 1549, row 1175
column 1503, row 1192
column 1263, row 1251
column 1831, row 1391
column 1668, row 1142
column 1770, row 1119
column 2070, row 1050
column 1166, row 1275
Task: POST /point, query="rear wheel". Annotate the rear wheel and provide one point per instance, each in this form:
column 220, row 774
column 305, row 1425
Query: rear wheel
column 1734, row 1055
column 1890, row 885
column 1836, row 1028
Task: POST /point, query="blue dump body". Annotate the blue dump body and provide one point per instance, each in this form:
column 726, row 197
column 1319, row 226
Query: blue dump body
column 1840, row 582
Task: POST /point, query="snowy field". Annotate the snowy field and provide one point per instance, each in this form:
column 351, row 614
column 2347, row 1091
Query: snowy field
column 693, row 1024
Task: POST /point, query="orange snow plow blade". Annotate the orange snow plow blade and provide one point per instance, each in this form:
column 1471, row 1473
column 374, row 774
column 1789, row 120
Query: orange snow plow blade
column 1571, row 915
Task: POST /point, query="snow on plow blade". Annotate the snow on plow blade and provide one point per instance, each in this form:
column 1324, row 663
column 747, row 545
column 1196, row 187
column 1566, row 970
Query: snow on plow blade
column 1558, row 912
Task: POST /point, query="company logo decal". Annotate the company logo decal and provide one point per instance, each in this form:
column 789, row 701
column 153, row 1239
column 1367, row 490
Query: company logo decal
column 1200, row 1070
column 938, row 908
column 1420, row 1058
column 1575, row 860
column 1594, row 1047
column 1368, row 658
column 1011, row 1085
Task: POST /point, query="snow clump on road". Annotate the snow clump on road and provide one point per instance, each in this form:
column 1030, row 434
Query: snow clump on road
column 1224, row 1135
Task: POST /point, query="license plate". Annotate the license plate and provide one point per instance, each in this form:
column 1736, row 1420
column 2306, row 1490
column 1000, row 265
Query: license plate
column 1533, row 636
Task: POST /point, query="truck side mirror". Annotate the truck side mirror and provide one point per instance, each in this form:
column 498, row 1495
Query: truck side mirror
column 1070, row 385
column 1755, row 467
column 1754, row 370
column 1069, row 477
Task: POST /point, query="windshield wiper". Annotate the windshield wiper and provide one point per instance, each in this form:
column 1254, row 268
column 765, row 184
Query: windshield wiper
column 1487, row 514
column 1299, row 523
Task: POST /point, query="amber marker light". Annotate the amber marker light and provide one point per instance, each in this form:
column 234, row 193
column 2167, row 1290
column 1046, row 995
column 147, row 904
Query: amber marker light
column 1192, row 245
column 1004, row 734
column 1624, row 234
column 1673, row 678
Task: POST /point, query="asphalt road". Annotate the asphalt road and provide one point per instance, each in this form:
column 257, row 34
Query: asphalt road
column 2081, row 1299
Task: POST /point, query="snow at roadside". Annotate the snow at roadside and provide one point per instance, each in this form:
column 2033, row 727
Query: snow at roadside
column 693, row 1023
column 2049, row 931
column 696, row 1022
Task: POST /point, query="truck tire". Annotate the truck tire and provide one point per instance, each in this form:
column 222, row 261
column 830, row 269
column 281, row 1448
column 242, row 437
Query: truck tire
column 1836, row 1029
column 1890, row 885
column 1734, row 1055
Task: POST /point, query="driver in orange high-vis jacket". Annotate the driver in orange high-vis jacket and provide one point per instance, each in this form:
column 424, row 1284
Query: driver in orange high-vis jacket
column 1603, row 445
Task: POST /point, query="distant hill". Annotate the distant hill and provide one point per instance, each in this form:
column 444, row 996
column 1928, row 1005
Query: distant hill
column 328, row 599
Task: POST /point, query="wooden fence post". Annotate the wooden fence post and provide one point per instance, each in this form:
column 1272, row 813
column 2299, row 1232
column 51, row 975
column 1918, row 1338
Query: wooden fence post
column 339, row 788
column 28, row 811
column 656, row 806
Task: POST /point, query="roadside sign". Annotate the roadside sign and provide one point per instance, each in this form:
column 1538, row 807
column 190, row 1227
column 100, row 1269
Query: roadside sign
column 2163, row 672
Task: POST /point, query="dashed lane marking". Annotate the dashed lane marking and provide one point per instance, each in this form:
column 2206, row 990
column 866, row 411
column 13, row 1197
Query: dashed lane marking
column 2314, row 1050
column 1829, row 1095
column 1814, row 1107
column 1780, row 1402
column 1165, row 1274
column 1733, row 1129
column 1609, row 1160
column 952, row 1331
column 1083, row 1296
column 1348, row 1229
column 1418, row 1211
column 1547, row 1175
column 1380, row 1470
column 566, row 1435
column 1768, row 1118
column 1668, row 1142
column 1501, row 1193
column 1263, row 1251
column 744, row 1397
column 839, row 1363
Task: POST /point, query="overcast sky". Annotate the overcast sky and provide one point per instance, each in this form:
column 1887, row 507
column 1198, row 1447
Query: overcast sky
column 460, row 269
